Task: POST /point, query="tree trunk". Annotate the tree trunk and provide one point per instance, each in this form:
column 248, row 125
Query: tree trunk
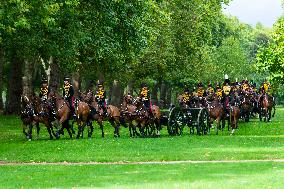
column 163, row 92
column 1, row 79
column 76, row 84
column 116, row 94
column 54, row 75
column 28, row 78
column 130, row 87
column 155, row 94
column 169, row 96
column 14, row 86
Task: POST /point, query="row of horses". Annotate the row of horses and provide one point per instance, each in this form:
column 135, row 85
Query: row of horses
column 55, row 114
column 238, row 105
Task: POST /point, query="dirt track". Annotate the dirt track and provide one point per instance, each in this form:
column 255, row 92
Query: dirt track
column 138, row 163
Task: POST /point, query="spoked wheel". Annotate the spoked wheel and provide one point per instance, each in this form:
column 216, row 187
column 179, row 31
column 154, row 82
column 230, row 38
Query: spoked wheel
column 203, row 122
column 175, row 124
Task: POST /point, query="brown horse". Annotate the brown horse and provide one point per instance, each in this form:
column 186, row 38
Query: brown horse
column 216, row 111
column 128, row 113
column 27, row 113
column 146, row 120
column 266, row 105
column 62, row 110
column 113, row 113
column 82, row 112
column 245, row 106
column 43, row 115
column 234, row 116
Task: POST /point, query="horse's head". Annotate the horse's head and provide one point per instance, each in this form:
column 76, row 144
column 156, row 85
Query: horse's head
column 128, row 99
column 27, row 105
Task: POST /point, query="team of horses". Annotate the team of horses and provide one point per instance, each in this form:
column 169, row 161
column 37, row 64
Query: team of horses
column 239, row 104
column 55, row 114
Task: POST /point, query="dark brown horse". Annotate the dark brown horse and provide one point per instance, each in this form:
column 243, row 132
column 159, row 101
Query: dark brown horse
column 235, row 112
column 62, row 110
column 245, row 106
column 147, row 120
column 82, row 112
column 27, row 113
column 43, row 115
column 266, row 105
column 128, row 113
column 113, row 113
column 216, row 111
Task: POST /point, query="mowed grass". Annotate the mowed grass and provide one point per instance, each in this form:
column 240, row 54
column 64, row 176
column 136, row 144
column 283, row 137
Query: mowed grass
column 253, row 141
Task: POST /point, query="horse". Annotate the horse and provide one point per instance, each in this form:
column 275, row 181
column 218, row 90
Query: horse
column 245, row 106
column 234, row 112
column 216, row 111
column 82, row 112
column 147, row 119
column 27, row 113
column 62, row 111
column 128, row 113
column 113, row 114
column 266, row 105
column 43, row 114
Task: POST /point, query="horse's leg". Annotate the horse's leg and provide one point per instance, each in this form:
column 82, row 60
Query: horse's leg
column 100, row 122
column 37, row 130
column 158, row 127
column 115, row 132
column 79, row 123
column 72, row 127
column 24, row 131
column 130, row 127
column 30, row 131
column 90, row 129
column 217, row 125
column 67, row 125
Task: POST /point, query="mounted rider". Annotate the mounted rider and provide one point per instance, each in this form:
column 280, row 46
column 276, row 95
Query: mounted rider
column 186, row 97
column 101, row 98
column 43, row 93
column 200, row 90
column 210, row 89
column 144, row 95
column 68, row 95
column 219, row 91
column 226, row 94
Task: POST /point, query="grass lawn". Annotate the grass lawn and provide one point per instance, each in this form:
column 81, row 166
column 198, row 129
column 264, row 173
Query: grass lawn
column 254, row 140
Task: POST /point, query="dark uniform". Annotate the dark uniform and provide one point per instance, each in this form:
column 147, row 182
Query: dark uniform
column 144, row 95
column 68, row 93
column 186, row 97
column 43, row 93
column 200, row 90
column 226, row 95
column 101, row 98
column 210, row 89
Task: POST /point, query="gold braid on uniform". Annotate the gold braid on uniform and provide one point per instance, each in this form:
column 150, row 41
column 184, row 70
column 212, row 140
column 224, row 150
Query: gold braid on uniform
column 200, row 92
column 144, row 94
column 226, row 89
column 185, row 97
column 66, row 89
column 100, row 93
column 219, row 92
column 44, row 91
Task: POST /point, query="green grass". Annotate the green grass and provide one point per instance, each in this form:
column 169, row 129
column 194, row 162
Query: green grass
column 254, row 140
column 228, row 175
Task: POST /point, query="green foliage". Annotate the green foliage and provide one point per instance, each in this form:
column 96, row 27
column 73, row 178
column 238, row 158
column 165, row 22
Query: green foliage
column 270, row 59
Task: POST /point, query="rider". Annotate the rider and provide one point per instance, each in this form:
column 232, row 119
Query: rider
column 210, row 89
column 43, row 90
column 186, row 96
column 144, row 95
column 200, row 90
column 219, row 91
column 226, row 93
column 68, row 93
column 101, row 98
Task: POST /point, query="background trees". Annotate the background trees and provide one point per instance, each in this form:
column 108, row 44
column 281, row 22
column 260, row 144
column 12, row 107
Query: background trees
column 165, row 43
